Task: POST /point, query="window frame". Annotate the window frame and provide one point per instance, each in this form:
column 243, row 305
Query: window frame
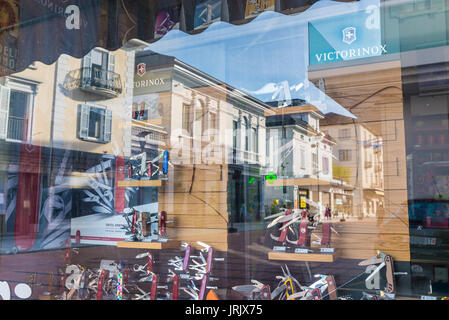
column 344, row 133
column 86, row 62
column 341, row 153
column 105, row 135
column 23, row 86
column 186, row 119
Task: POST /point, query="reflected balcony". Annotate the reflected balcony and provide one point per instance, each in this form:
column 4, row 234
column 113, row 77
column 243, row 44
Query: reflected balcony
column 95, row 80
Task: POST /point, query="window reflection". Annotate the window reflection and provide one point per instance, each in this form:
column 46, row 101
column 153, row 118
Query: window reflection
column 311, row 135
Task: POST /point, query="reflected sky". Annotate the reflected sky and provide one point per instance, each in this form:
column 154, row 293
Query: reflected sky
column 267, row 57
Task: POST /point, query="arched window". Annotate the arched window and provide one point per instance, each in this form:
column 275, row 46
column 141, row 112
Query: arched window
column 254, row 140
column 199, row 118
column 245, row 132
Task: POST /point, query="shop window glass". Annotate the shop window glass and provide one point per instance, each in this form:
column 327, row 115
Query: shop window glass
column 95, row 123
column 349, row 99
column 98, row 69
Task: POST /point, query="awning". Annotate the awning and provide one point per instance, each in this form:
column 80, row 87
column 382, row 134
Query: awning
column 267, row 58
column 309, row 182
column 217, row 37
column 302, row 182
column 42, row 30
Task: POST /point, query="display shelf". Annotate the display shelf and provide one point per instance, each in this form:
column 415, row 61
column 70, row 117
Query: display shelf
column 430, row 129
column 313, row 257
column 139, row 183
column 427, row 116
column 149, row 245
column 291, row 110
column 431, row 147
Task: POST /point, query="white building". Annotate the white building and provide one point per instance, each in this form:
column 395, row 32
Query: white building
column 358, row 161
column 300, row 160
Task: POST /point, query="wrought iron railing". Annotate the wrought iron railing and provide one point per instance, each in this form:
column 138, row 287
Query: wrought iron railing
column 15, row 128
column 93, row 78
column 100, row 78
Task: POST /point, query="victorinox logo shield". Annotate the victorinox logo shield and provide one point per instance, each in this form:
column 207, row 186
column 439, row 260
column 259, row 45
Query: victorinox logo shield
column 141, row 69
column 349, row 35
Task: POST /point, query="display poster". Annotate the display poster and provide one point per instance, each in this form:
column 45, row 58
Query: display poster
column 94, row 219
column 206, row 13
column 167, row 18
column 43, row 220
column 9, row 10
column 255, row 7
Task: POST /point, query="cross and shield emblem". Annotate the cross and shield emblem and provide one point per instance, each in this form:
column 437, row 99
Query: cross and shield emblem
column 141, row 69
column 349, row 35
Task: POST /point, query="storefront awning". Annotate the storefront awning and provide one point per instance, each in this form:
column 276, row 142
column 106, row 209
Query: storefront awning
column 302, row 182
column 266, row 51
column 328, row 186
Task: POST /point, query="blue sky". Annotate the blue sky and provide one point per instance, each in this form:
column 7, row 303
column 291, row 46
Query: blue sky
column 260, row 56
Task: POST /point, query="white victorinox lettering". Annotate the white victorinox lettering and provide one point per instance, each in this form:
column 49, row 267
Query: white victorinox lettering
column 351, row 53
column 149, row 83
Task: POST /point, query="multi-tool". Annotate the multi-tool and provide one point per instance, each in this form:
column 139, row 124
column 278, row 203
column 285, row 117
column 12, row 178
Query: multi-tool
column 101, row 280
column 254, row 291
column 199, row 269
column 144, row 225
column 204, row 266
column 316, row 290
column 194, row 292
column 175, row 287
column 286, row 217
column 287, row 285
column 146, row 270
column 381, row 296
column 152, row 295
column 139, row 167
column 290, row 289
column 181, row 264
column 382, row 260
column 303, row 231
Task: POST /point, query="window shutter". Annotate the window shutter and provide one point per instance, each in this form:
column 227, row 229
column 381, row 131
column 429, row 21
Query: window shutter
column 111, row 67
column 4, row 110
column 107, row 126
column 87, row 67
column 83, row 113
